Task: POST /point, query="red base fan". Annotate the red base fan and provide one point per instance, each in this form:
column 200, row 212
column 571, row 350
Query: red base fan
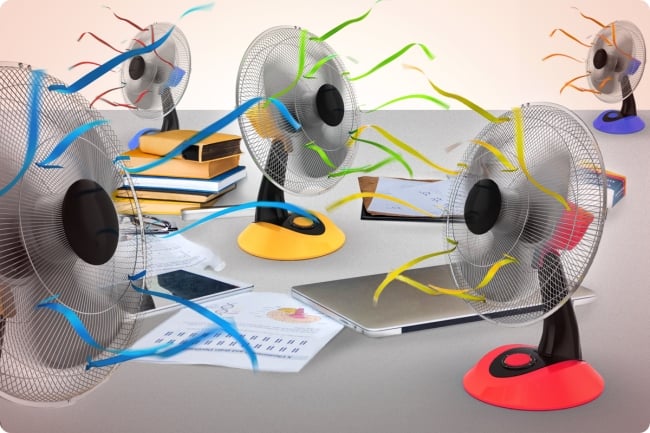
column 517, row 377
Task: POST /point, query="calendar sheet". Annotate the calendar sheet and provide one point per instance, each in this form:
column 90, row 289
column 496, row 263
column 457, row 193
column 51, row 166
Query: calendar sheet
column 284, row 333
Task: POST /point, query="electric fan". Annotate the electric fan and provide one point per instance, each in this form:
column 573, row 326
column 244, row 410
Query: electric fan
column 548, row 216
column 155, row 82
column 615, row 65
column 60, row 241
column 293, row 66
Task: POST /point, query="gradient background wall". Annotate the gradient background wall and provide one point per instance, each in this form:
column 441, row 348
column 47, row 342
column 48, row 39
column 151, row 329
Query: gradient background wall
column 489, row 52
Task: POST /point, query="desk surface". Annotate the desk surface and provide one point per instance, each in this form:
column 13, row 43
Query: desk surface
column 409, row 383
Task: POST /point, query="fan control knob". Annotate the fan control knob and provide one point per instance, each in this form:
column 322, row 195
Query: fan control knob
column 302, row 222
column 518, row 361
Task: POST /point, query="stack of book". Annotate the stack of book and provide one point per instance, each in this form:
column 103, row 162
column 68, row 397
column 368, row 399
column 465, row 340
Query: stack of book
column 195, row 179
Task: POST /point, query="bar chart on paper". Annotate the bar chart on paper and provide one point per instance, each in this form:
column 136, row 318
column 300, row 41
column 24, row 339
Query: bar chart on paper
column 284, row 333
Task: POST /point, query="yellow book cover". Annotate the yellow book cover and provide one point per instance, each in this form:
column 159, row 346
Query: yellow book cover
column 214, row 146
column 159, row 207
column 180, row 167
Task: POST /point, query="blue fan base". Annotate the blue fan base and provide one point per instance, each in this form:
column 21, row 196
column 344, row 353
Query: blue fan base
column 621, row 125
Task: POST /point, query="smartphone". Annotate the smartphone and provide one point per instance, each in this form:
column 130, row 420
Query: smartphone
column 197, row 286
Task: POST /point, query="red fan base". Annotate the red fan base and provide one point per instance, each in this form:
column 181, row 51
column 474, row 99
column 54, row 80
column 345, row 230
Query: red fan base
column 517, row 377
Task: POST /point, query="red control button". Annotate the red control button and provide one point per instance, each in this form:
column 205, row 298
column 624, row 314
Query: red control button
column 518, row 360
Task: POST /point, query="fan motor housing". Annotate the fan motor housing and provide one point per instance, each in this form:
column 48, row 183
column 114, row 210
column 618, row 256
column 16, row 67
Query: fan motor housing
column 483, row 206
column 90, row 222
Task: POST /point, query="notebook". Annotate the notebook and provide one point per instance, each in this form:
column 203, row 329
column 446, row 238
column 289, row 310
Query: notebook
column 401, row 308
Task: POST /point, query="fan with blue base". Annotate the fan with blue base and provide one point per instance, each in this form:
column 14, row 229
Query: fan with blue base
column 61, row 242
column 547, row 217
column 615, row 64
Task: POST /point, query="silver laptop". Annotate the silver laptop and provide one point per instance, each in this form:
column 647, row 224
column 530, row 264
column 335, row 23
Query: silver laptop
column 401, row 308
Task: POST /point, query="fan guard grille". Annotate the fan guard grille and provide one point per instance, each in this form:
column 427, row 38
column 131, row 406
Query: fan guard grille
column 558, row 151
column 268, row 67
column 42, row 359
column 625, row 55
column 165, row 75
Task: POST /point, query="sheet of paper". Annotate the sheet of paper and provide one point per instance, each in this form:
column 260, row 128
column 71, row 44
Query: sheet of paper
column 170, row 254
column 284, row 333
column 177, row 252
column 430, row 196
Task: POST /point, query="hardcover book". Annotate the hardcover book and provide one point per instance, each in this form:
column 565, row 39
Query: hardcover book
column 180, row 167
column 217, row 145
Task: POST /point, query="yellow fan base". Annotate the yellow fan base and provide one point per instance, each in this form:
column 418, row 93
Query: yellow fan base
column 270, row 241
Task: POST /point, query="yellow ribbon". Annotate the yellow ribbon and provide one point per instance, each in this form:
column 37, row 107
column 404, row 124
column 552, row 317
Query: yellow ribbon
column 378, row 195
column 519, row 143
column 497, row 153
column 436, row 290
column 402, row 145
column 461, row 99
column 398, row 271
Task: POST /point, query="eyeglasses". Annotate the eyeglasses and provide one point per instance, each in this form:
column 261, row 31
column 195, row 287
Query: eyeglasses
column 130, row 225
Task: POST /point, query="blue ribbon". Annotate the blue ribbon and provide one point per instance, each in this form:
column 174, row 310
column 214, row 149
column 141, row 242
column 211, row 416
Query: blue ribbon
column 222, row 323
column 204, row 7
column 106, row 67
column 217, row 126
column 254, row 204
column 134, row 142
column 67, row 141
column 32, row 137
column 79, row 327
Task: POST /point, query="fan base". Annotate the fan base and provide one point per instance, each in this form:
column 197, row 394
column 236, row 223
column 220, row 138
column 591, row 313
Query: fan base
column 271, row 241
column 611, row 122
column 561, row 385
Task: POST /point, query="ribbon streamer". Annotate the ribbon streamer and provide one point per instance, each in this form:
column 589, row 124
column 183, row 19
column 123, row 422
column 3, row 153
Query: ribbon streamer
column 519, row 144
column 134, row 142
column 205, row 7
column 378, row 195
column 82, row 332
column 399, row 270
column 109, row 65
column 217, row 126
column 255, row 204
column 399, row 143
column 319, row 150
column 364, row 169
column 32, row 137
column 433, row 290
column 165, row 352
column 497, row 153
column 396, row 156
column 391, row 59
column 569, row 35
column 63, row 145
column 205, row 312
column 341, row 26
column 493, row 270
column 561, row 55
column 474, row 107
column 302, row 46
column 412, row 96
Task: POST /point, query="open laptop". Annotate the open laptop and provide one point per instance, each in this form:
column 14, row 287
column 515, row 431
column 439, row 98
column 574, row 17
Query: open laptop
column 401, row 308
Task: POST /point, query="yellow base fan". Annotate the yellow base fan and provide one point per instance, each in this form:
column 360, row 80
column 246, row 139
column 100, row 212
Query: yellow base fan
column 271, row 241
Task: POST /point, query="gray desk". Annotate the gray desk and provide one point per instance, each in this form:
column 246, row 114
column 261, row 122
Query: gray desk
column 410, row 383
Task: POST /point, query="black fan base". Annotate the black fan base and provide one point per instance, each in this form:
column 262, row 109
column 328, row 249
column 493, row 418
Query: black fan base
column 298, row 239
column 517, row 377
column 614, row 122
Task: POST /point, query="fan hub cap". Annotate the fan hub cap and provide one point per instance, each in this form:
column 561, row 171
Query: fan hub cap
column 136, row 67
column 329, row 104
column 90, row 222
column 483, row 206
